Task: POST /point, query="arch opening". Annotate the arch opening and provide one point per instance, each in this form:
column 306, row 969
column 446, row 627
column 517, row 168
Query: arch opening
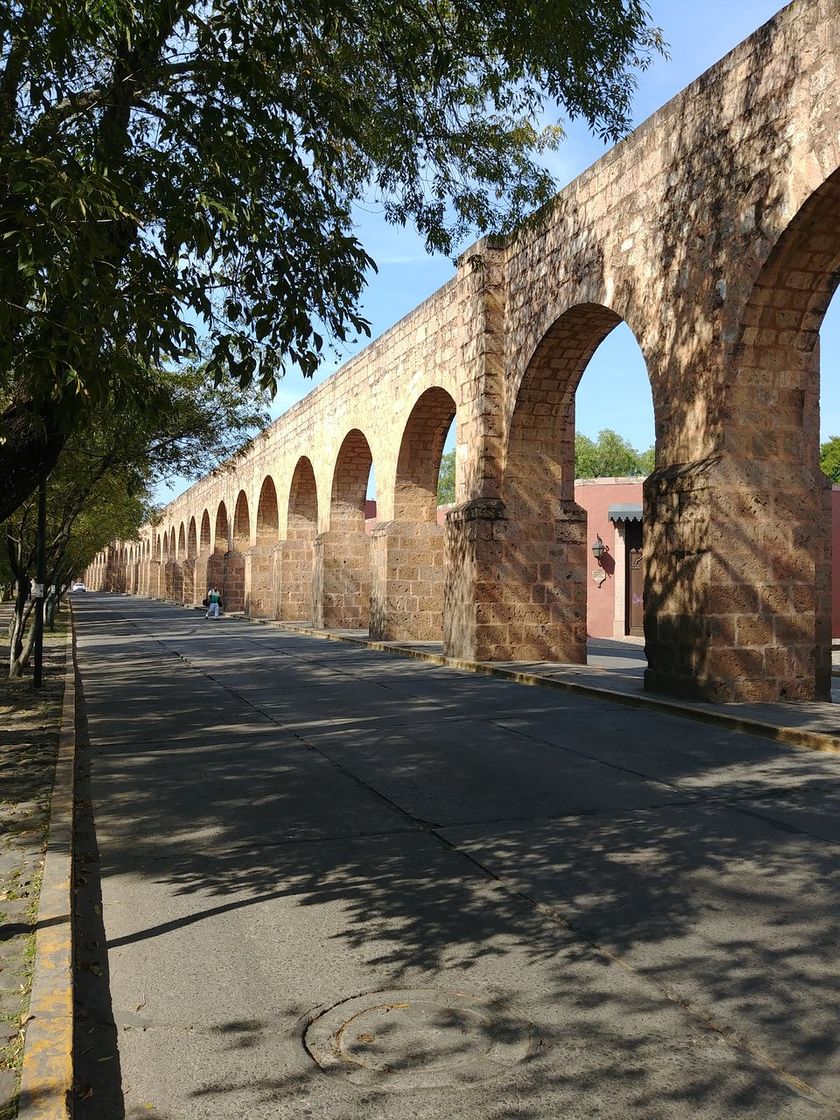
column 614, row 454
column 266, row 554
column 234, row 592
column 408, row 560
column 205, row 531
column 217, row 561
column 220, row 536
column 341, row 585
column 268, row 520
column 421, row 451
column 538, row 602
column 296, row 600
column 241, row 524
column 350, row 483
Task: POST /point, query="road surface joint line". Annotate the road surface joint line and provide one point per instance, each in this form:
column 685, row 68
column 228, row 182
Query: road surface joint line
column 702, row 1016
column 690, row 796
column 509, row 886
column 791, row 736
column 47, row 1074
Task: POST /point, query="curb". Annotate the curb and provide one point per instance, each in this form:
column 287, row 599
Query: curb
column 791, row 736
column 47, row 1074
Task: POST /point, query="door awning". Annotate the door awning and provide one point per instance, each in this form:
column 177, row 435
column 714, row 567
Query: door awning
column 625, row 513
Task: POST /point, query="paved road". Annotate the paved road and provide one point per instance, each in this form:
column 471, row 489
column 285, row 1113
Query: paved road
column 572, row 909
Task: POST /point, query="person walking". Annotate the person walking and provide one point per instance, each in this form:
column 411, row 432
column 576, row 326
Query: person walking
column 214, row 603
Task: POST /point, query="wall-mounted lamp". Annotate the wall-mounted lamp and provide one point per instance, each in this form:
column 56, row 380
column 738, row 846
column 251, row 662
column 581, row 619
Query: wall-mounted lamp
column 598, row 548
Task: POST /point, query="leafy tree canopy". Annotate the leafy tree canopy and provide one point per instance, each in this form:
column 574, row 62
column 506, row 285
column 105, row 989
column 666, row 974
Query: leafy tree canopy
column 830, row 458
column 610, row 456
column 180, row 169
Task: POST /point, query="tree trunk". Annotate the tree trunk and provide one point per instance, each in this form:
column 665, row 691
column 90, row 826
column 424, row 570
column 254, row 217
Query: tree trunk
column 20, row 663
column 18, row 649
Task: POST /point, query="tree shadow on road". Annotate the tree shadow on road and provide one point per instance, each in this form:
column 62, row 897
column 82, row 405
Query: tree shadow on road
column 678, row 954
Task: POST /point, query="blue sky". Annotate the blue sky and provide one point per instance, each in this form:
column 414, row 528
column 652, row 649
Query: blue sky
column 614, row 392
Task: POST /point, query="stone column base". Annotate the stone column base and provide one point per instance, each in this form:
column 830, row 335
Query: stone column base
column 738, row 581
column 341, row 580
column 515, row 591
column 407, row 581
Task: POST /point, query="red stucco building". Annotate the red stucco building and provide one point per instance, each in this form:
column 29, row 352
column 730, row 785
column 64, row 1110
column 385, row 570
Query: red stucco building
column 614, row 588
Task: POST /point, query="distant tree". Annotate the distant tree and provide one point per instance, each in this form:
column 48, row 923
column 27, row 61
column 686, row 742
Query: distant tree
column 99, row 489
column 446, row 479
column 610, row 456
column 647, row 461
column 176, row 170
column 88, row 503
column 830, row 458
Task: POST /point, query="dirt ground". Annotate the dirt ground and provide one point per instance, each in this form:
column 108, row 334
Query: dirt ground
column 29, row 727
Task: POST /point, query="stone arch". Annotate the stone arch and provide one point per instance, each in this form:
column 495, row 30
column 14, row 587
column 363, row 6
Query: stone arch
column 298, row 549
column 268, row 519
column 199, row 551
column 540, row 453
column 408, row 564
column 204, row 540
column 538, row 589
column 341, row 584
column 221, row 542
column 241, row 523
column 421, row 448
column 182, row 542
column 769, row 598
column 189, row 564
column 349, row 482
column 167, row 560
column 266, row 554
column 217, row 562
column 303, row 498
column 175, row 575
column 234, row 592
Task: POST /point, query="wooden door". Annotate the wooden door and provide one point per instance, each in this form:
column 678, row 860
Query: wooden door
column 635, row 583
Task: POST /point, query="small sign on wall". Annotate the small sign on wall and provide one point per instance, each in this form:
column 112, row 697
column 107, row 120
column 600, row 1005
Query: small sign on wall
column 599, row 575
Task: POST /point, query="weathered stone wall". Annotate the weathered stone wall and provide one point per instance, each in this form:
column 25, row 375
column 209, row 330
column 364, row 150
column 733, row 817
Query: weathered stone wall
column 714, row 233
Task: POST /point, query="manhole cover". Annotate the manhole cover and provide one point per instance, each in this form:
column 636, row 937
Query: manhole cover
column 412, row 1039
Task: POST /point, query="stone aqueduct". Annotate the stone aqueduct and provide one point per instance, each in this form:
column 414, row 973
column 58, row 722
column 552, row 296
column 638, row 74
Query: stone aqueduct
column 714, row 233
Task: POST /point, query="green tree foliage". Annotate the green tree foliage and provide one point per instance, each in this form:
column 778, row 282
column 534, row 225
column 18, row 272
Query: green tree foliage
column 446, row 479
column 610, row 456
column 99, row 489
column 175, row 171
column 830, row 458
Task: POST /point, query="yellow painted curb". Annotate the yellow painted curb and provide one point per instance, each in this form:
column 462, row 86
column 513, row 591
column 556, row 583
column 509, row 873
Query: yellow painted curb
column 47, row 1074
column 791, row 736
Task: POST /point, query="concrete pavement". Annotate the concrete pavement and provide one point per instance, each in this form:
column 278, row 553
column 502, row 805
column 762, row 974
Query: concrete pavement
column 340, row 884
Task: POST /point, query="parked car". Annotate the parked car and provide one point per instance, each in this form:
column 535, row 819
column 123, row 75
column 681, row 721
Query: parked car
column 77, row 586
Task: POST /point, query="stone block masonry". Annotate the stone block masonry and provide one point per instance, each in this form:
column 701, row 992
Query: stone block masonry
column 714, row 233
